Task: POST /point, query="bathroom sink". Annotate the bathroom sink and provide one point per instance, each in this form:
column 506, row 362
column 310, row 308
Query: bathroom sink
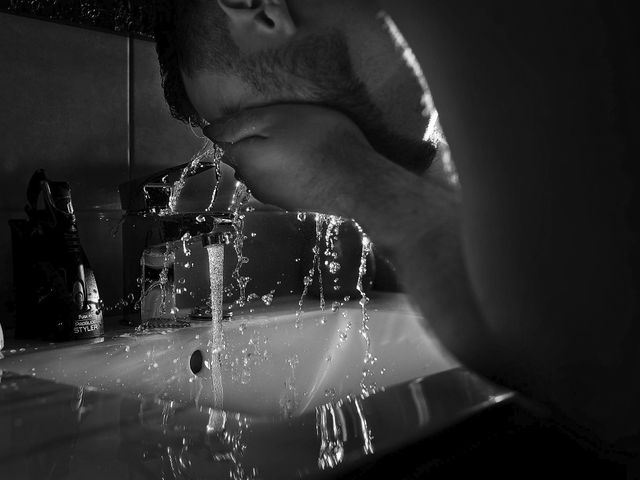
column 283, row 399
column 273, row 363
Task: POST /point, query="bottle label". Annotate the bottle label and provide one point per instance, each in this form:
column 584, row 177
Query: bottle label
column 89, row 324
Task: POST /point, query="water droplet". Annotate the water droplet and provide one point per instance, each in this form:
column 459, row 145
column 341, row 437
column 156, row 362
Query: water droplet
column 334, row 267
column 268, row 299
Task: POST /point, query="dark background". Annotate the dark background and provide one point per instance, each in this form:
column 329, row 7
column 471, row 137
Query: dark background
column 86, row 105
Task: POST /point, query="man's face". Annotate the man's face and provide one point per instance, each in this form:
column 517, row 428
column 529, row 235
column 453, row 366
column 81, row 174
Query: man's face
column 314, row 69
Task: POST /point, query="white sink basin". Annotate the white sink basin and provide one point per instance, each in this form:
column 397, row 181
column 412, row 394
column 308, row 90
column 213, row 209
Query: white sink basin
column 268, row 367
column 291, row 404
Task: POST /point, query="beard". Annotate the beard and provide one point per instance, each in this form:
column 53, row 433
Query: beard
column 317, row 69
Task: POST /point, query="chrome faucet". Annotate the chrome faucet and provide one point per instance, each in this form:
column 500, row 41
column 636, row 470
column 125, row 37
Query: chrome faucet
column 149, row 222
column 152, row 194
column 148, row 200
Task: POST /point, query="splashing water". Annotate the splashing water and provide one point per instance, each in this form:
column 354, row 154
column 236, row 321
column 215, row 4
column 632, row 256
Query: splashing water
column 330, row 239
column 186, row 238
column 235, row 441
column 164, row 283
column 332, row 224
column 289, row 399
column 217, row 421
column 241, row 198
column 268, row 298
column 217, row 156
column 367, row 386
column 331, row 428
column 367, row 437
column 321, row 220
column 209, row 154
column 216, row 343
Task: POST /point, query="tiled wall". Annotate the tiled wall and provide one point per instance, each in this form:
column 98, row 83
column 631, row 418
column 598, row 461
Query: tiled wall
column 65, row 106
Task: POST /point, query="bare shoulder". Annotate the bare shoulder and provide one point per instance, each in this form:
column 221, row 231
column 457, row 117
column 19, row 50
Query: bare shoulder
column 537, row 108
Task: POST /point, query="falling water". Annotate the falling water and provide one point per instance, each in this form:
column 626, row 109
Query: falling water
column 216, row 343
column 321, row 220
column 367, row 386
column 241, row 198
column 289, row 400
column 211, row 154
column 235, row 441
column 330, row 253
column 217, row 165
column 367, row 437
column 331, row 427
column 166, row 287
column 217, row 421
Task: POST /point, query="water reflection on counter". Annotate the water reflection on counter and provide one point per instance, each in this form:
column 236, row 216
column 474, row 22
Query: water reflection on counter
column 57, row 431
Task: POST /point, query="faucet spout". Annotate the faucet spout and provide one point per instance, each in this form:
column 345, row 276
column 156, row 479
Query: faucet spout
column 152, row 194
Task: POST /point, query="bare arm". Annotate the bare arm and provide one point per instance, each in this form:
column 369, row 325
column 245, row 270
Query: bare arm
column 541, row 260
column 525, row 279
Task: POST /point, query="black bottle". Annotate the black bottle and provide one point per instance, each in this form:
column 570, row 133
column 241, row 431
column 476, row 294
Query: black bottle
column 56, row 292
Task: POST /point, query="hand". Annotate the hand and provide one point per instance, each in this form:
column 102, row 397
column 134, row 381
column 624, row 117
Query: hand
column 300, row 157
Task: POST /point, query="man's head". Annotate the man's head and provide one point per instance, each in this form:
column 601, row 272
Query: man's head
column 221, row 56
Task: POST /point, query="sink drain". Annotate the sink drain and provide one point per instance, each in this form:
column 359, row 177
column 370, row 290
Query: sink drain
column 196, row 362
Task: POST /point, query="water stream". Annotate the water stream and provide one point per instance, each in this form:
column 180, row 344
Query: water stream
column 331, row 427
column 327, row 228
column 367, row 385
column 315, row 267
column 241, row 198
column 216, row 342
column 209, row 154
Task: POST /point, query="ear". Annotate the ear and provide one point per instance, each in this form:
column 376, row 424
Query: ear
column 258, row 24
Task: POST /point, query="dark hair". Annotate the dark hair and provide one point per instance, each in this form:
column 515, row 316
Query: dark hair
column 191, row 35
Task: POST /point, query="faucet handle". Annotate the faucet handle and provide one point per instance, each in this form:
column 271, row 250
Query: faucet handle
column 146, row 194
column 156, row 196
column 222, row 234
